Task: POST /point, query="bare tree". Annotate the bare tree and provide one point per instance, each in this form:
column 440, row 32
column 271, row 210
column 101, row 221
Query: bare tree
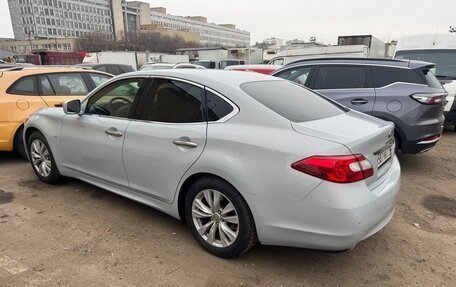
column 134, row 41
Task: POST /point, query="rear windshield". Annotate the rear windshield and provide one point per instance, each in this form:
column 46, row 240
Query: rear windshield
column 445, row 60
column 428, row 76
column 292, row 101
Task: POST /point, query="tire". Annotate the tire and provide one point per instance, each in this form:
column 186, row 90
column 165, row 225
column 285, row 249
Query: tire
column 42, row 160
column 18, row 143
column 397, row 141
column 229, row 239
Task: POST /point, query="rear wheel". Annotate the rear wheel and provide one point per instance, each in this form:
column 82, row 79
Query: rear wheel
column 219, row 218
column 42, row 160
column 18, row 143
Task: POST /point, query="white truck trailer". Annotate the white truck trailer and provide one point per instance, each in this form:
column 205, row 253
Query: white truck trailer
column 133, row 59
column 288, row 56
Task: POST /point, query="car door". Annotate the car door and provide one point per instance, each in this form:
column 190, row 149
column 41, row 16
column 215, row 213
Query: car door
column 350, row 85
column 22, row 100
column 169, row 137
column 57, row 88
column 92, row 142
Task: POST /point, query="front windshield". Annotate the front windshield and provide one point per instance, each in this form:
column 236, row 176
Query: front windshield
column 206, row 64
column 224, row 64
column 445, row 60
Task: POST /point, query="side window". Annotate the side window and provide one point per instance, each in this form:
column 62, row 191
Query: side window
column 101, row 68
column 113, row 70
column 299, row 75
column 46, row 87
column 384, row 76
column 68, row 84
column 115, row 99
column 173, row 101
column 342, row 77
column 98, row 79
column 217, row 108
column 24, row 86
column 127, row 69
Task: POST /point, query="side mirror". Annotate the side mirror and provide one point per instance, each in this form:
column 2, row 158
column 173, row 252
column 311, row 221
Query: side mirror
column 72, row 107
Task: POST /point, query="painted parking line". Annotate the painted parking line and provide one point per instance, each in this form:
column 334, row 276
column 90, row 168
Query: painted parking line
column 10, row 265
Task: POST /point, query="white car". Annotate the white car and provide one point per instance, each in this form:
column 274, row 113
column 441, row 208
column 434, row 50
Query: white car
column 241, row 157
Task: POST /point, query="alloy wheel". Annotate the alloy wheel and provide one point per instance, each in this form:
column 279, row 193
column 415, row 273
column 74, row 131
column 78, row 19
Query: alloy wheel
column 215, row 218
column 41, row 158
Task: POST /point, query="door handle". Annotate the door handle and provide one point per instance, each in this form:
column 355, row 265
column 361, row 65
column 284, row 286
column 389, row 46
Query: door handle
column 185, row 143
column 359, row 101
column 113, row 132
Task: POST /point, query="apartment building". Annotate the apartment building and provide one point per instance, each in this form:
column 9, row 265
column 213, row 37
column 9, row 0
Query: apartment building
column 61, row 18
column 111, row 19
column 210, row 34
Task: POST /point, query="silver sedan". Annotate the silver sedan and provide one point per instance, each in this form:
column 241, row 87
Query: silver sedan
column 240, row 157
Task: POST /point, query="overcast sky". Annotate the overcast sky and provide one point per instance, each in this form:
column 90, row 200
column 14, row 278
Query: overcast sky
column 301, row 19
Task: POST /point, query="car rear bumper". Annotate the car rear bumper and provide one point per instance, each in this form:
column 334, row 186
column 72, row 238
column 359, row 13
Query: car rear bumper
column 417, row 137
column 332, row 217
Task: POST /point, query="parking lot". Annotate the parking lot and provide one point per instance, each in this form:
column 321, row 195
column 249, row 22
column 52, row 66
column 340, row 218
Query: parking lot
column 75, row 234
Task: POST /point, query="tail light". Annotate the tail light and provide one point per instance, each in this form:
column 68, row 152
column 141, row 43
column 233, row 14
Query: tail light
column 429, row 99
column 340, row 169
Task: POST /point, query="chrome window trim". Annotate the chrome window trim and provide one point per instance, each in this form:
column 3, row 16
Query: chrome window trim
column 405, row 83
column 178, row 79
column 234, row 112
column 359, row 64
column 107, row 117
column 379, row 88
column 221, row 120
column 349, row 64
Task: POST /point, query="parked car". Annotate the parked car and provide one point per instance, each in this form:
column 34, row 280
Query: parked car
column 208, row 64
column 114, row 69
column 156, row 66
column 187, row 66
column 25, row 90
column 439, row 49
column 402, row 91
column 262, row 69
column 231, row 62
column 222, row 151
column 162, row 66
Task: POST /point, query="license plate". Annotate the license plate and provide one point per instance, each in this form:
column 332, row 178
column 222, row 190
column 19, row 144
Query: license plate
column 383, row 157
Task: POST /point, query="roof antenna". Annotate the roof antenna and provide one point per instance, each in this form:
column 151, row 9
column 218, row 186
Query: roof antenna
column 435, row 37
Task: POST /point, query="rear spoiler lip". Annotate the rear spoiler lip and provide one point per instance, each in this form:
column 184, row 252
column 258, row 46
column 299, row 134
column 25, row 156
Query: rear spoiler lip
column 420, row 64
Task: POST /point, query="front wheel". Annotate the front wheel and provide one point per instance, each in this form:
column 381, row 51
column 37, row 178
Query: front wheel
column 42, row 160
column 219, row 218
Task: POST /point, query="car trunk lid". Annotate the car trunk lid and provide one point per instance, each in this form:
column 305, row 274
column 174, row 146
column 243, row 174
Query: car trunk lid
column 361, row 134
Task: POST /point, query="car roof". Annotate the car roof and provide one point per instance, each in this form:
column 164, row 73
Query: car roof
column 369, row 61
column 26, row 71
column 207, row 76
column 97, row 64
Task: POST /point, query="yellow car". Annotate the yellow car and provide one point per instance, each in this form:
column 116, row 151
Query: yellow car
column 25, row 90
